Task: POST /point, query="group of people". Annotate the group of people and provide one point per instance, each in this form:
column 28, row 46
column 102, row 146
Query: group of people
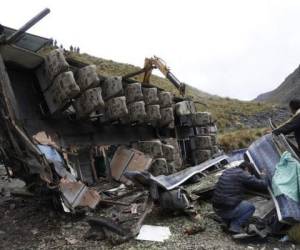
column 228, row 200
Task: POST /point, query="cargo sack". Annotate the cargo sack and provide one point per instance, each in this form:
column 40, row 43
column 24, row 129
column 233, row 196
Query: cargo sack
column 133, row 92
column 112, row 87
column 150, row 96
column 167, row 116
column 185, row 108
column 165, row 99
column 202, row 119
column 200, row 142
column 116, row 108
column 64, row 88
column 152, row 148
column 87, row 77
column 200, row 155
column 153, row 114
column 213, row 138
column 137, row 111
column 55, row 63
column 89, row 101
column 185, row 120
column 169, row 152
column 158, row 167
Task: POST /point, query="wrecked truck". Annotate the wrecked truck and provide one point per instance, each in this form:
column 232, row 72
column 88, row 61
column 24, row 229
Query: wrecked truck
column 64, row 126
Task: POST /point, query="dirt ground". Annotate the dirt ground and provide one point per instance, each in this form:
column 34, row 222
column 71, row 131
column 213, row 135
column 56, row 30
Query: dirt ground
column 32, row 223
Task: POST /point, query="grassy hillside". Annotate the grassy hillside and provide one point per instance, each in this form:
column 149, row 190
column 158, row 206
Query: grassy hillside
column 290, row 88
column 227, row 112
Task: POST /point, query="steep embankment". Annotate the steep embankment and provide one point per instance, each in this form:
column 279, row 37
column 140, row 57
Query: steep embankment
column 288, row 89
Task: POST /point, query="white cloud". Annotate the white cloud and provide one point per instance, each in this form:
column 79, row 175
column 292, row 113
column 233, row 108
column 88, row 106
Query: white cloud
column 230, row 48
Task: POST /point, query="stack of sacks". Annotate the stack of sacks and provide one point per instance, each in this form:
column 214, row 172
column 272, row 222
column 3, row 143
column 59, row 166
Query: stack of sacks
column 152, row 106
column 115, row 101
column 154, row 149
column 60, row 86
column 62, row 90
column 55, row 63
column 184, row 111
column 201, row 148
column 169, row 155
column 166, row 110
column 90, row 99
column 135, row 102
column 177, row 154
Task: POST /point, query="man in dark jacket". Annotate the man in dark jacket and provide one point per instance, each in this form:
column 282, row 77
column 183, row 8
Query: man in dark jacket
column 228, row 199
column 293, row 124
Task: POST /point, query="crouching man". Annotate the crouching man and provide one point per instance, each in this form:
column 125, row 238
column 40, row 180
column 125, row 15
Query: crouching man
column 228, row 199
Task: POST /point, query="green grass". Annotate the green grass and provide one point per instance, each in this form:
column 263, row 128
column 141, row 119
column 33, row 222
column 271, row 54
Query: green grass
column 228, row 112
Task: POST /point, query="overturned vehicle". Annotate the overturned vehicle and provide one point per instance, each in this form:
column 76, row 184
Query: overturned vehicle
column 65, row 129
column 75, row 135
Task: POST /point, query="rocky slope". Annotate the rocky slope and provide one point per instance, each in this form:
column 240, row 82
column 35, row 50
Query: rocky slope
column 290, row 88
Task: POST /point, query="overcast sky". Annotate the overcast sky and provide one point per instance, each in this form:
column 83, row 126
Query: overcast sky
column 230, row 48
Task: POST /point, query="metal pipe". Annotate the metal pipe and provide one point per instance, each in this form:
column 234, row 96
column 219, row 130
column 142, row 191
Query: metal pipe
column 16, row 35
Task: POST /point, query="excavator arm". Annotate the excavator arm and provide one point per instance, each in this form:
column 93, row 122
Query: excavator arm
column 157, row 63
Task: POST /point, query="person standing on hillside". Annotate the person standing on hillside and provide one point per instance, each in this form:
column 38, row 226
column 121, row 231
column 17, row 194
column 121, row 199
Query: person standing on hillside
column 293, row 124
column 228, row 198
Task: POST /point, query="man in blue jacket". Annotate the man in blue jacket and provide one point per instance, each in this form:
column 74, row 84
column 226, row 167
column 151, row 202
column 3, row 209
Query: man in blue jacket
column 228, row 199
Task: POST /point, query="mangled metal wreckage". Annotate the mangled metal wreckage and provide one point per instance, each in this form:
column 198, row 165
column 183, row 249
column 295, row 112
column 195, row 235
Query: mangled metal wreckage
column 64, row 127
column 273, row 214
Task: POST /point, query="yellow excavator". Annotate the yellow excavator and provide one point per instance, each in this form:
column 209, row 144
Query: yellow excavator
column 157, row 63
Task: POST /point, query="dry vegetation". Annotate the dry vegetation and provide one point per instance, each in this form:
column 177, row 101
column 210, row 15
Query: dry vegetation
column 241, row 138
